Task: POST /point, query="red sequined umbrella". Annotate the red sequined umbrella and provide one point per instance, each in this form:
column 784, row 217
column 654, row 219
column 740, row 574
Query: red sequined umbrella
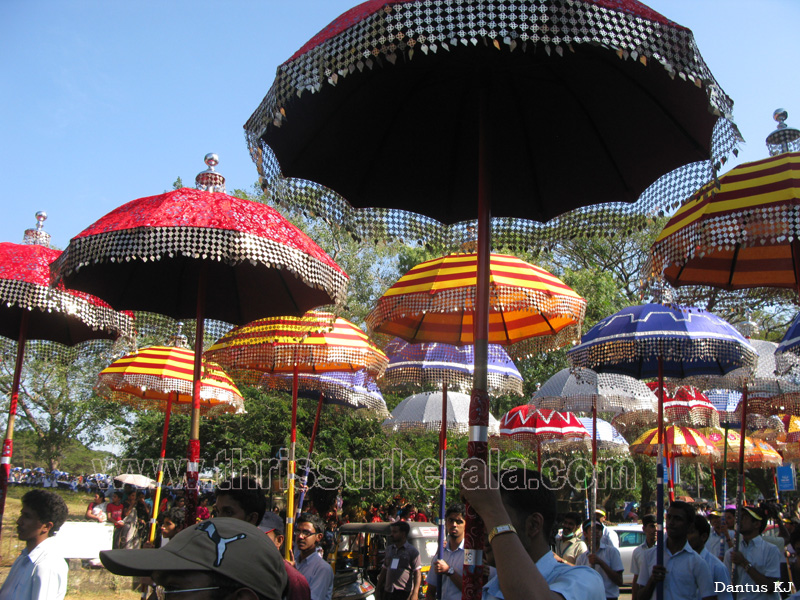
column 688, row 406
column 31, row 310
column 534, row 106
column 201, row 254
column 533, row 426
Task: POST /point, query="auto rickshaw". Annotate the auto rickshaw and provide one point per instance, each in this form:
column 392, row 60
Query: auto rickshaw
column 359, row 550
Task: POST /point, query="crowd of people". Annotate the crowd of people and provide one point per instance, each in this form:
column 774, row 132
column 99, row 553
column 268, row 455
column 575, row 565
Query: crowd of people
column 531, row 551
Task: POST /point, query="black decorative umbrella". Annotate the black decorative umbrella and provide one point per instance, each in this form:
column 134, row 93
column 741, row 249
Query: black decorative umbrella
column 523, row 108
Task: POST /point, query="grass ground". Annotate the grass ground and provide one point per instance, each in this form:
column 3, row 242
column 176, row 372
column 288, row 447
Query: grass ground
column 10, row 546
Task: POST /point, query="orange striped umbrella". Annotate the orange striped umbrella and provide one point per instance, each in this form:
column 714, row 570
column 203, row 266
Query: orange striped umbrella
column 162, row 378
column 272, row 346
column 681, row 442
column 278, row 345
column 148, row 378
column 435, row 302
column 742, row 234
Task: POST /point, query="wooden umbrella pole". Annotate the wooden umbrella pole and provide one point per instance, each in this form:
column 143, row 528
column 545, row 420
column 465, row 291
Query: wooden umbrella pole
column 740, row 491
column 291, row 469
column 443, row 484
column 8, row 443
column 193, row 464
column 160, row 476
column 477, row 446
column 304, row 480
column 593, row 516
column 660, row 479
column 725, row 469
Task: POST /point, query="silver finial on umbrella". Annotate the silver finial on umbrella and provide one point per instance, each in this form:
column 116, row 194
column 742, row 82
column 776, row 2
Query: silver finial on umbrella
column 37, row 236
column 784, row 138
column 179, row 339
column 209, row 180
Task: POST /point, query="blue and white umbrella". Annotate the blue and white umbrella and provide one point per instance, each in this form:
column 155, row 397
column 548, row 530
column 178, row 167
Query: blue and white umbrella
column 430, row 365
column 656, row 340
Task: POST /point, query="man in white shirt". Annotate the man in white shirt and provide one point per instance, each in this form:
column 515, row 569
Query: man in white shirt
column 603, row 558
column 721, row 538
column 450, row 566
column 684, row 574
column 609, row 535
column 637, row 559
column 719, row 574
column 39, row 573
column 758, row 563
column 519, row 511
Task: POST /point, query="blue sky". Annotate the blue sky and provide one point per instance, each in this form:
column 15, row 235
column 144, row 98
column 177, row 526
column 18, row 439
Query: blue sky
column 104, row 102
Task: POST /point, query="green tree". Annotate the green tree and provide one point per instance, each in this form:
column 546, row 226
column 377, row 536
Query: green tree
column 56, row 399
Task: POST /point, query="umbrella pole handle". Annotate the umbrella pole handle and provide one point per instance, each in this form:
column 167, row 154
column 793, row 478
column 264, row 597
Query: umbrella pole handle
column 193, row 464
column 8, row 443
column 442, row 486
column 292, row 468
column 160, row 476
column 660, row 479
column 308, row 462
column 478, row 446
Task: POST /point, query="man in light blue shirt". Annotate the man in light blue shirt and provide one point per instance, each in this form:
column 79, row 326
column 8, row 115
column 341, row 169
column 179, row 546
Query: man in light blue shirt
column 685, row 575
column 40, row 572
column 309, row 531
column 758, row 563
column 698, row 538
column 603, row 558
column 450, row 566
column 519, row 511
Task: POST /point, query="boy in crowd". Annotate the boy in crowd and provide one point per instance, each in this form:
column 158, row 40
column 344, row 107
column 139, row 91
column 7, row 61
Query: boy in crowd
column 39, row 572
column 604, row 558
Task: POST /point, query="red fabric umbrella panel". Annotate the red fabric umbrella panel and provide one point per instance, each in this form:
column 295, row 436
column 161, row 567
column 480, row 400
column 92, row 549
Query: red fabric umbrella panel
column 201, row 254
column 533, row 426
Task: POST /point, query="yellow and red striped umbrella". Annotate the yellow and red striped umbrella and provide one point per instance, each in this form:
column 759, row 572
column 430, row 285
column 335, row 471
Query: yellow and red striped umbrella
column 680, row 442
column 277, row 345
column 741, row 234
column 435, row 302
column 147, row 378
column 757, row 453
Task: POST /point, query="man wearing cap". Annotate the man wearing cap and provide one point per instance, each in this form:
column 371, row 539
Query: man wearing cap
column 721, row 538
column 309, row 530
column 401, row 574
column 609, row 535
column 758, row 563
column 221, row 558
column 603, row 558
column 39, row 572
column 273, row 526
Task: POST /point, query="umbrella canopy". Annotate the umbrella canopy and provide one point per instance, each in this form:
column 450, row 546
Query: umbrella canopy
column 689, row 340
column 689, row 406
column 434, row 364
column 148, row 255
column 54, row 314
column 739, row 232
column 536, row 425
column 609, row 440
column 601, row 87
column 577, row 389
column 787, row 354
column 424, row 412
column 681, row 442
column 354, row 389
column 273, row 346
column 134, row 479
column 147, row 379
column 530, row 310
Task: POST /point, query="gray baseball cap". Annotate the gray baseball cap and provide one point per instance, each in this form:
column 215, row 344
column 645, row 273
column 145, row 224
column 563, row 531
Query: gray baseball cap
column 231, row 547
